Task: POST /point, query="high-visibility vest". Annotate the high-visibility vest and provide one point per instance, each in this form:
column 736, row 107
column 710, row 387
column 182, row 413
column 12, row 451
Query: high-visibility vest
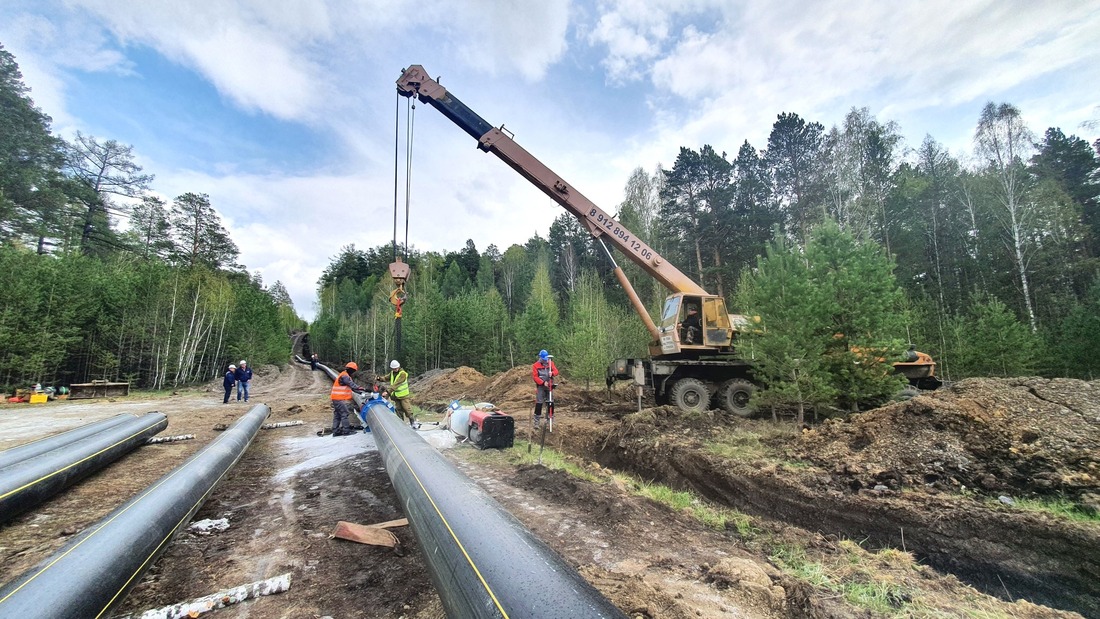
column 400, row 384
column 340, row 392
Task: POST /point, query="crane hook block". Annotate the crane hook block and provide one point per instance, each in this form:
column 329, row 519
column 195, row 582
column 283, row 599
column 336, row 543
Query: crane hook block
column 399, row 271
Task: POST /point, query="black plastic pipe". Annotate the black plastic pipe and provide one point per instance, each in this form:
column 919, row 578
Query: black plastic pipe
column 483, row 561
column 11, row 456
column 93, row 572
column 25, row 484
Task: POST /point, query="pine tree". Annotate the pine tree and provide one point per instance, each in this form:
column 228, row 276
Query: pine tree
column 789, row 345
column 993, row 342
column 864, row 306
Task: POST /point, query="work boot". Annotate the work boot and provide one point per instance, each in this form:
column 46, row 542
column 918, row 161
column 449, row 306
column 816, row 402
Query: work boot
column 536, row 421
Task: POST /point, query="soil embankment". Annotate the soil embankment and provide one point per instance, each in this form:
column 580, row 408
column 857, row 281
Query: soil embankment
column 938, row 475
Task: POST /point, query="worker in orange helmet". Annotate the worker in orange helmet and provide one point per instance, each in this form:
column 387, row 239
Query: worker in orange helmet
column 342, row 400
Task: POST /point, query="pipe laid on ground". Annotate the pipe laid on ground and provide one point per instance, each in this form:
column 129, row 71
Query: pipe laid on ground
column 30, row 482
column 483, row 561
column 93, row 572
column 11, row 456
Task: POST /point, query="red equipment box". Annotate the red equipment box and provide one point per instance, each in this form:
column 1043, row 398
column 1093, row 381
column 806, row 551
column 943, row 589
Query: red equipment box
column 490, row 429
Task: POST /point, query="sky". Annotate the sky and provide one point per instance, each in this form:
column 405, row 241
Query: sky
column 285, row 112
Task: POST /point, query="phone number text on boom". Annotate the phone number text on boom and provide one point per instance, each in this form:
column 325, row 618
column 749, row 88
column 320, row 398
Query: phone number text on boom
column 609, row 224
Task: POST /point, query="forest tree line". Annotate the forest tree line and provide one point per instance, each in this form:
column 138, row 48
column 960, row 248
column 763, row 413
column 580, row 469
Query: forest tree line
column 990, row 259
column 160, row 303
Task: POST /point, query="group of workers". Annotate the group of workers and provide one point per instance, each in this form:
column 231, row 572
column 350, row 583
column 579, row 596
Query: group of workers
column 344, row 388
column 241, row 376
column 543, row 372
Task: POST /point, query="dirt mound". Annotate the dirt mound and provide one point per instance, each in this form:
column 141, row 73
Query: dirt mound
column 442, row 386
column 511, row 390
column 1017, row 436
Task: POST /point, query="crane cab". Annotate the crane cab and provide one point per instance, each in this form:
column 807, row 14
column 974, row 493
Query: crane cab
column 692, row 323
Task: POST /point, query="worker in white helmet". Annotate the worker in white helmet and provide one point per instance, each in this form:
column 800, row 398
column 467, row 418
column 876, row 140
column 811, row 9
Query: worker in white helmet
column 228, row 382
column 399, row 391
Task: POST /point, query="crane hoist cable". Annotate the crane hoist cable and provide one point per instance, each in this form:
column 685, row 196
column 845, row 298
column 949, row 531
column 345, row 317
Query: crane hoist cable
column 399, row 269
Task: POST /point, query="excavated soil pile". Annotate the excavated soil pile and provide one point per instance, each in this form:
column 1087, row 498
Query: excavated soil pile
column 434, row 390
column 510, row 391
column 1018, row 436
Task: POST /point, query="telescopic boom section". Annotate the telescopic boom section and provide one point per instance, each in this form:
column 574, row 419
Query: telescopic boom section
column 416, row 82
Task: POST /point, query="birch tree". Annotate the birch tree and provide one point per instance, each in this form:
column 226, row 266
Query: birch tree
column 1004, row 143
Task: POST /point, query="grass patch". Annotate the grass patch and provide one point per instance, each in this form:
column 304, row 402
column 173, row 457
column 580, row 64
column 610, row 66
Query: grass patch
column 551, row 459
column 738, row 445
column 718, row 518
column 851, row 575
column 1059, row 507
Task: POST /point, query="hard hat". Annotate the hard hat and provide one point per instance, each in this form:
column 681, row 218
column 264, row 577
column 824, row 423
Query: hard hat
column 353, row 365
column 543, row 354
column 394, row 364
column 232, row 367
column 243, row 362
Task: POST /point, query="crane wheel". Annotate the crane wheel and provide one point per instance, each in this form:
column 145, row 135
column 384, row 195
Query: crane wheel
column 734, row 396
column 690, row 395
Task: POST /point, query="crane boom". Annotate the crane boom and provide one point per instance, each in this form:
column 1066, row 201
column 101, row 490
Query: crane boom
column 415, row 81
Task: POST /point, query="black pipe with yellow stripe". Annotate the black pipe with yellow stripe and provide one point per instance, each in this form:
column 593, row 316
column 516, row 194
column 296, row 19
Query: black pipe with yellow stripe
column 33, row 480
column 93, row 572
column 483, row 561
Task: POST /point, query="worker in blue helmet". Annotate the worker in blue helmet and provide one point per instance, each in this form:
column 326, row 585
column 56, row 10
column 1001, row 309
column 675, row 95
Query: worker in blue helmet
column 543, row 372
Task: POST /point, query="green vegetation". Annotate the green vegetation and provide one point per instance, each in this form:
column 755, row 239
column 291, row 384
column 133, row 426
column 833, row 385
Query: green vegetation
column 161, row 304
column 1058, row 507
column 738, row 445
column 851, row 576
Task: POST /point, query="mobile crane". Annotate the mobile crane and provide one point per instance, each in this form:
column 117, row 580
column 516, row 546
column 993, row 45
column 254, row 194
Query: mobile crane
column 688, row 366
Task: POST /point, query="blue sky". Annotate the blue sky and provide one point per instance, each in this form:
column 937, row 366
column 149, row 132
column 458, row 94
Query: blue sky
column 283, row 111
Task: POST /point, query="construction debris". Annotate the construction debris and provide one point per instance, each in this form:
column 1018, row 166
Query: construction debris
column 221, row 427
column 281, row 424
column 206, row 527
column 169, row 439
column 374, row 534
column 221, row 599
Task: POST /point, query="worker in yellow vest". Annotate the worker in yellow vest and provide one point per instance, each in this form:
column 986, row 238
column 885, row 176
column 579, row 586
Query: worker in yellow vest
column 342, row 400
column 399, row 391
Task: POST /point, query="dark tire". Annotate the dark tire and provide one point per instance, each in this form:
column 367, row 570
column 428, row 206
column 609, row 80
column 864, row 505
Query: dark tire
column 908, row 393
column 690, row 395
column 734, row 396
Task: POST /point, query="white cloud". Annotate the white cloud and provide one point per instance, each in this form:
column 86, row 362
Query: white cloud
column 736, row 69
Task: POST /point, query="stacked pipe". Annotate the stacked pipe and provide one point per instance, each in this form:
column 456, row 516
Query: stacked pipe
column 483, row 561
column 55, row 463
column 93, row 572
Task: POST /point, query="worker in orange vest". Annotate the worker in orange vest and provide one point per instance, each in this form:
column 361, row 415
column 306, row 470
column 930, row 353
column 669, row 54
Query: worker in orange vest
column 342, row 400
